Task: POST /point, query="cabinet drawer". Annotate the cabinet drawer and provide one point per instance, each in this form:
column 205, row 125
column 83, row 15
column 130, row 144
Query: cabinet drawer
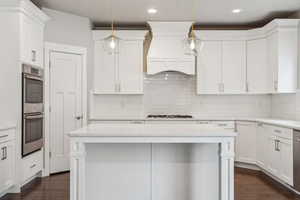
column 217, row 124
column 7, row 135
column 32, row 164
column 224, row 124
column 282, row 132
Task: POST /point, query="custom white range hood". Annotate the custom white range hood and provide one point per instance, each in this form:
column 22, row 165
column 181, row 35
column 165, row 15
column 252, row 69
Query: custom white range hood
column 166, row 52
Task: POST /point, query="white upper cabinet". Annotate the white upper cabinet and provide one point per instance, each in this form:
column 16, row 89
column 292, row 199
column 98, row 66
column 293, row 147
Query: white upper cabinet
column 130, row 68
column 259, row 73
column 221, row 67
column 234, row 67
column 104, row 70
column 32, row 35
column 121, row 72
column 209, row 68
column 257, row 61
column 282, row 58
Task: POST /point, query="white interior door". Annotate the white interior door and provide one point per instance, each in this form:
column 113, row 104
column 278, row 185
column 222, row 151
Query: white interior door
column 66, row 106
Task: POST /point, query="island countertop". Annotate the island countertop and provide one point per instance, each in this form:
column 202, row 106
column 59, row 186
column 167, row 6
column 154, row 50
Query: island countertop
column 150, row 130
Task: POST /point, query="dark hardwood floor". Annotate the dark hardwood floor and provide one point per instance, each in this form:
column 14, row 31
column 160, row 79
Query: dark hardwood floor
column 249, row 185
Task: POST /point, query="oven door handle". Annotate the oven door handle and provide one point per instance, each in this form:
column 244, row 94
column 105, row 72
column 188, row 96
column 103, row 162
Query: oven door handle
column 33, row 77
column 33, row 117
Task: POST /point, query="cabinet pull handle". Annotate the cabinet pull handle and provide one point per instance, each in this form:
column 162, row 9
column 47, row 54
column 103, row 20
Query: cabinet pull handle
column 3, row 136
column 277, row 131
column 275, row 85
column 137, row 122
column 203, row 122
column 33, row 52
column 247, row 87
column 32, row 166
column 277, row 145
column 4, row 153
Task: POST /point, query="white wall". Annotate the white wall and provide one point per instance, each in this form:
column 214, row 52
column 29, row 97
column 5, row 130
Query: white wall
column 177, row 95
column 65, row 28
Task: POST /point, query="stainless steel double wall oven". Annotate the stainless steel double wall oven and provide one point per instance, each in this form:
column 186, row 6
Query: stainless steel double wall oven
column 33, row 109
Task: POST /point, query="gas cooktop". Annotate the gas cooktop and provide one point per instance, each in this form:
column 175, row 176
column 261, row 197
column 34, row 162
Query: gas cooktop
column 171, row 116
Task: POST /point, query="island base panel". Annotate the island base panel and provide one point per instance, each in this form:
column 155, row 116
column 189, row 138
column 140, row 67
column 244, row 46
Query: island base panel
column 152, row 171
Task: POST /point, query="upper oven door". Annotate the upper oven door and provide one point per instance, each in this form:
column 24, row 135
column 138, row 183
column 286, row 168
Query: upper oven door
column 33, row 93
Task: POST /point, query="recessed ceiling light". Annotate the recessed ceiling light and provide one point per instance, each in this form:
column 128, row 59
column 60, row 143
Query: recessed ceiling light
column 236, row 10
column 152, row 11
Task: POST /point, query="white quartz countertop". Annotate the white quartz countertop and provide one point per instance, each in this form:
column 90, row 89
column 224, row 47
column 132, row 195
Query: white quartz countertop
column 150, row 130
column 277, row 122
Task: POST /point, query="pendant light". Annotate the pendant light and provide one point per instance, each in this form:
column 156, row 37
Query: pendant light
column 192, row 43
column 111, row 43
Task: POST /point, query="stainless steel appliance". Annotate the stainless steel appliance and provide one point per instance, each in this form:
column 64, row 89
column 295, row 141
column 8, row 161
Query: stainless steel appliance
column 33, row 103
column 33, row 89
column 296, row 146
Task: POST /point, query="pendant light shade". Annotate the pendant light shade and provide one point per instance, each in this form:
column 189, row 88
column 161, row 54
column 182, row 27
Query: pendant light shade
column 111, row 44
column 191, row 44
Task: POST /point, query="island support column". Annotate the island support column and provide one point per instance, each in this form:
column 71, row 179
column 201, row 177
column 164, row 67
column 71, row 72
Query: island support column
column 77, row 171
column 227, row 170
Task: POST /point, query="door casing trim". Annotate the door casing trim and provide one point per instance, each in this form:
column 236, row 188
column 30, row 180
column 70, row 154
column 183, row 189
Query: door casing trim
column 64, row 48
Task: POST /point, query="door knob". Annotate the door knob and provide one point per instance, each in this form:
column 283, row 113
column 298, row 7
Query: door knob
column 78, row 117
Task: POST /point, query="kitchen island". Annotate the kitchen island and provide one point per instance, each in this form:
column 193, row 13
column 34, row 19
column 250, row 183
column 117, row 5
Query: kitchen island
column 152, row 162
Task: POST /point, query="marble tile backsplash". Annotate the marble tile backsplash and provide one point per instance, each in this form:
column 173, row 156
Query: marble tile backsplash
column 175, row 93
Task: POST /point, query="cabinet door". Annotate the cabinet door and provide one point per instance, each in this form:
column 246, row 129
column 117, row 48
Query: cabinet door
column 272, row 55
column 209, row 68
column 259, row 73
column 246, row 142
column 261, row 142
column 273, row 156
column 234, row 67
column 32, row 42
column 287, row 60
column 26, row 54
column 37, row 44
column 6, row 165
column 104, row 70
column 130, row 68
column 286, row 160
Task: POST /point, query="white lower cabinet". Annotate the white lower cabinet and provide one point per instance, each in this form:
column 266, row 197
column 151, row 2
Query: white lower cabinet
column 246, row 142
column 31, row 165
column 269, row 147
column 7, row 160
column 261, row 147
column 6, row 165
column 280, row 153
column 286, row 160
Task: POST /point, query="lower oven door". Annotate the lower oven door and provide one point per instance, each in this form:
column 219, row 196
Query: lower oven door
column 32, row 133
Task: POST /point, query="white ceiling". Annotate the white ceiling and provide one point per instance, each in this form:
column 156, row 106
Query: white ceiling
column 201, row 11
